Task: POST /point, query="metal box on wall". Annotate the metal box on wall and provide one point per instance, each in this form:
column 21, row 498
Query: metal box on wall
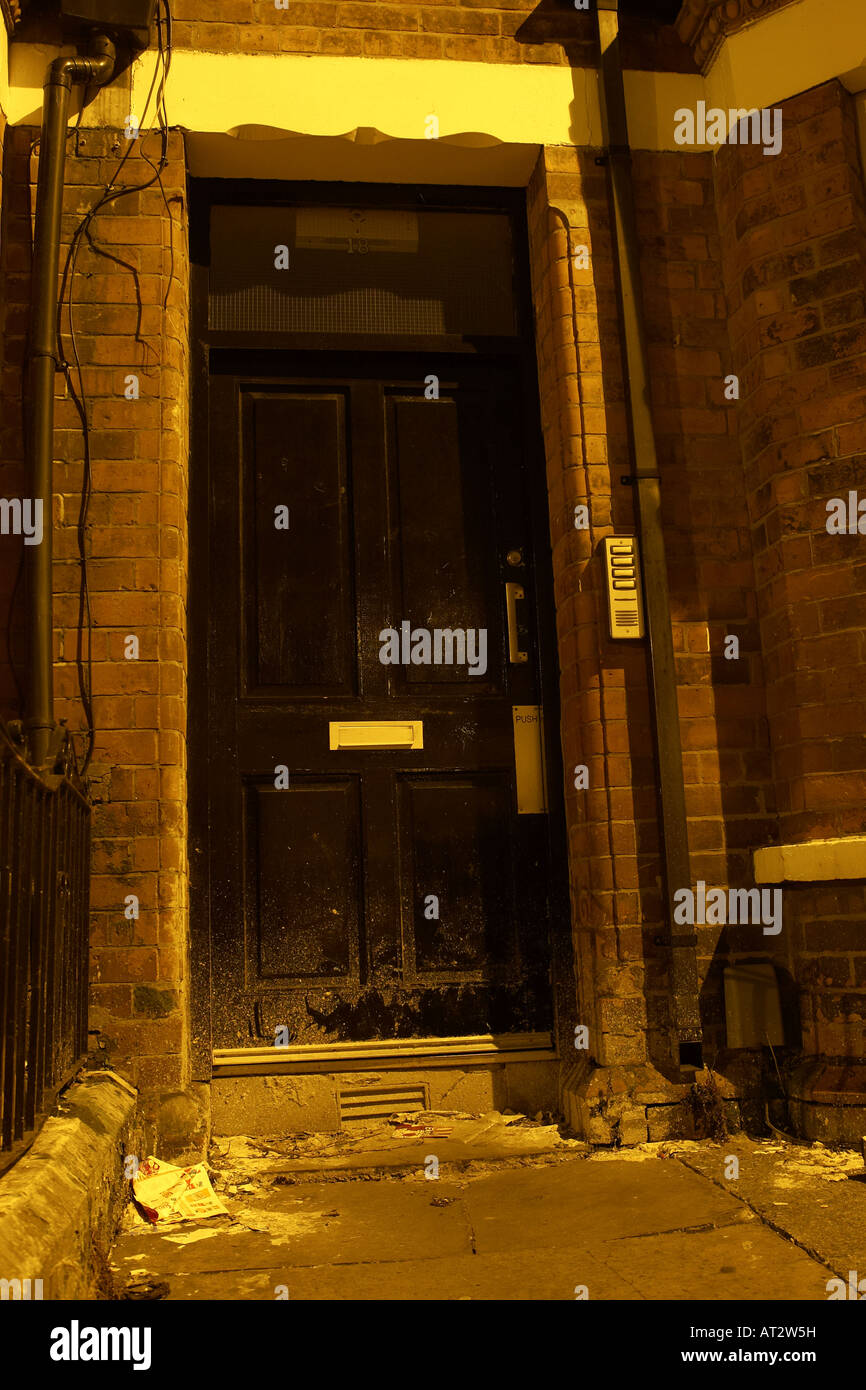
column 132, row 17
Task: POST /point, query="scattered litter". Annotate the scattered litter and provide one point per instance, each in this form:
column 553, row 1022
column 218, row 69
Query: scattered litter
column 244, row 1165
column 278, row 1225
column 422, row 1126
column 441, row 1201
column 147, row 1289
column 191, row 1236
column 810, row 1160
column 163, row 1193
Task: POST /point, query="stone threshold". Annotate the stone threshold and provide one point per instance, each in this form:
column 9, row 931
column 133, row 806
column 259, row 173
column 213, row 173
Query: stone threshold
column 391, row 1052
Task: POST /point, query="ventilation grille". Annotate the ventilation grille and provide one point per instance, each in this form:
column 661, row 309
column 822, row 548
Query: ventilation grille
column 378, row 1102
column 443, row 273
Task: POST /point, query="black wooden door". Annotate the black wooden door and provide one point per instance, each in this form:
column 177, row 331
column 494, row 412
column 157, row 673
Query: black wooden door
column 363, row 892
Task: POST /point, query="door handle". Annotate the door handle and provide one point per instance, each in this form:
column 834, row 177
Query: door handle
column 513, row 592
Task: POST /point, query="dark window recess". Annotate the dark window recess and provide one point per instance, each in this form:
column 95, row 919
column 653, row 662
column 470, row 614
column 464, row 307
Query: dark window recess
column 360, row 270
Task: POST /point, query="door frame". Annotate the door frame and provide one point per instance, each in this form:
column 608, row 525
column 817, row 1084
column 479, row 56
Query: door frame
column 203, row 193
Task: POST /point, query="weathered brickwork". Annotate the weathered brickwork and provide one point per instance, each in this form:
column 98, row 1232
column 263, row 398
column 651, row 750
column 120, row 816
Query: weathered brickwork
column 793, row 242
column 10, row 463
column 583, row 421
column 824, row 935
column 479, row 31
column 131, row 316
column 622, row 974
column 729, row 795
column 793, row 260
column 355, row 28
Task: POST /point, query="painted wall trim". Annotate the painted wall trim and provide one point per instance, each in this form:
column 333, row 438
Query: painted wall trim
column 789, row 52
column 477, row 104
column 705, row 24
column 814, row 862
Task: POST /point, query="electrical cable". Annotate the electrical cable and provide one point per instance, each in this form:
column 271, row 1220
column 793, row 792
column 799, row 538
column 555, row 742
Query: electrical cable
column 111, row 193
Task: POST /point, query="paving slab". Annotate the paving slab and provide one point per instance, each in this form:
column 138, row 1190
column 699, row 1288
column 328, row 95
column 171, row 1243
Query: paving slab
column 310, row 1225
column 815, row 1195
column 580, row 1203
column 525, row 1275
column 743, row 1261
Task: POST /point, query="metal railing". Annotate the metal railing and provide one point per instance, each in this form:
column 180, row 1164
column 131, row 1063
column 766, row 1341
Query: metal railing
column 44, row 908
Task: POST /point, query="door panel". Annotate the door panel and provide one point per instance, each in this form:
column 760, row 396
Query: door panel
column 443, row 513
column 473, row 893
column 384, row 892
column 303, row 875
column 295, row 444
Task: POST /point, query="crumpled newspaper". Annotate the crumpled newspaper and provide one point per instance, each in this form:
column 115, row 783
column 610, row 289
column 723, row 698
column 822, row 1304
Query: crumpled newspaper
column 164, row 1193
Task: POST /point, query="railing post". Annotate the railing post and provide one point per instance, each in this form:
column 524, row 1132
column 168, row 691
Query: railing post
column 44, row 938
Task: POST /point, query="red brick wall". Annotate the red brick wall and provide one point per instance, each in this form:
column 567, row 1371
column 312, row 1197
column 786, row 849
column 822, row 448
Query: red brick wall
column 480, row 31
column 622, row 973
column 605, row 709
column 726, row 765
column 137, row 568
column 793, row 242
column 13, row 317
column 823, row 950
column 348, row 28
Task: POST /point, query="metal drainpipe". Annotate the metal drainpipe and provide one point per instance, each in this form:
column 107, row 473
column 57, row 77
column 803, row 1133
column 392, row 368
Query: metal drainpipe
column 42, row 363
column 684, row 970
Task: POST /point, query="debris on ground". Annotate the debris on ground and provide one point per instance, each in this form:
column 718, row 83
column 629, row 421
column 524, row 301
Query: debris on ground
column 190, row 1237
column 659, row 1148
column 150, row 1289
column 421, row 1127
column 241, row 1163
column 162, row 1193
column 813, row 1161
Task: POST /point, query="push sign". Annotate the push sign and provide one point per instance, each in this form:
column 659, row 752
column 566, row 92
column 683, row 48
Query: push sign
column 624, row 597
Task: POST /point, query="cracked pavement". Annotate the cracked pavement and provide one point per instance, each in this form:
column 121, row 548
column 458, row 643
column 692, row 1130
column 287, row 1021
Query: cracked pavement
column 662, row 1222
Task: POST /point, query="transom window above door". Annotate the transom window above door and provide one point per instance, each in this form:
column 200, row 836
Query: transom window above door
column 365, row 270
